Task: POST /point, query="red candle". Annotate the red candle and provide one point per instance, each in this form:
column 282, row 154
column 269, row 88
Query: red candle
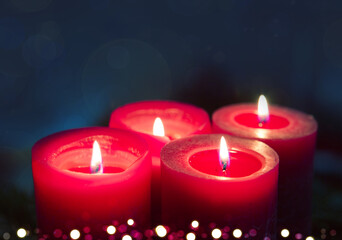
column 88, row 178
column 292, row 135
column 174, row 120
column 239, row 191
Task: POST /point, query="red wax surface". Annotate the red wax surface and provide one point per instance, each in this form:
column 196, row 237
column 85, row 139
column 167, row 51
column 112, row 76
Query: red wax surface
column 179, row 120
column 69, row 197
column 246, row 199
column 105, row 170
column 252, row 120
column 241, row 163
column 293, row 136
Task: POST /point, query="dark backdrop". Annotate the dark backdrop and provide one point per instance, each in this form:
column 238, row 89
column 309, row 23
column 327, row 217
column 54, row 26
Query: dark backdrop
column 68, row 64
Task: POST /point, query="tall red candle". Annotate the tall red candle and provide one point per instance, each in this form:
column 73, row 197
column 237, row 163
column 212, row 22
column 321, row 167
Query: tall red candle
column 195, row 187
column 179, row 120
column 69, row 196
column 292, row 134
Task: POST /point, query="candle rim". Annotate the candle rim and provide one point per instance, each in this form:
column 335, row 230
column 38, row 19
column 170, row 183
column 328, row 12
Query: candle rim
column 201, row 115
column 300, row 124
column 175, row 155
column 49, row 145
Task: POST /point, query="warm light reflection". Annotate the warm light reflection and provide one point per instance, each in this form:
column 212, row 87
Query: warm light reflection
column 263, row 113
column 158, row 128
column 224, row 154
column 96, row 165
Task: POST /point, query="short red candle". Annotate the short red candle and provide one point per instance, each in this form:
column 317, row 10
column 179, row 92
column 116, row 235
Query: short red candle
column 69, row 196
column 194, row 186
column 292, row 135
column 179, row 120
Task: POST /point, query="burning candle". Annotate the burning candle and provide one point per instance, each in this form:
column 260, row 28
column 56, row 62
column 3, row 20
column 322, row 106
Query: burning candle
column 292, row 135
column 90, row 177
column 235, row 188
column 159, row 122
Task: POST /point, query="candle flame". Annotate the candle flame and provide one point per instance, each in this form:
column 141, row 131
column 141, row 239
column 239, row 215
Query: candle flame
column 158, row 128
column 263, row 113
column 96, row 165
column 224, row 154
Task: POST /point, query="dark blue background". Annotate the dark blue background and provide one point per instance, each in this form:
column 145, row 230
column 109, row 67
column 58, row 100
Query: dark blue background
column 68, row 64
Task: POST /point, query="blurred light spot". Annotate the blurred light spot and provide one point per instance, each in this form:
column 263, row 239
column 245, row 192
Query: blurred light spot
column 190, row 236
column 57, row 233
column 212, row 225
column 195, row 224
column 111, row 229
column 118, row 57
column 267, row 238
column 285, row 233
column 122, row 228
column 148, row 233
column 12, row 33
column 21, row 232
column 323, row 230
column 252, row 232
column 333, row 232
column 75, row 234
column 86, row 229
column 298, row 236
column 6, row 236
column 161, row 231
column 88, row 237
column 180, row 233
column 126, row 237
column 130, row 222
column 309, row 238
column 216, row 233
column 237, row 233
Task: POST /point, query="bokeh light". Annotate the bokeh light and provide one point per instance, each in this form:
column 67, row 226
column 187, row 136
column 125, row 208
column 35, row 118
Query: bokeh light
column 126, row 237
column 216, row 233
column 111, row 230
column 309, row 238
column 130, row 222
column 298, row 236
column 237, row 233
column 75, row 234
column 195, row 224
column 190, row 236
column 21, row 233
column 285, row 233
column 6, row 236
column 161, row 231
